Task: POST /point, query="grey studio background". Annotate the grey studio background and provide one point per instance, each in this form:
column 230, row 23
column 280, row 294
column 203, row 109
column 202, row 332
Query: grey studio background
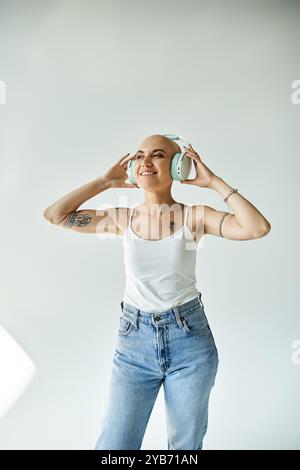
column 86, row 81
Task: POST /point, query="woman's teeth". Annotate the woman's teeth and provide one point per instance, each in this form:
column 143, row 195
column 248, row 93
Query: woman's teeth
column 148, row 173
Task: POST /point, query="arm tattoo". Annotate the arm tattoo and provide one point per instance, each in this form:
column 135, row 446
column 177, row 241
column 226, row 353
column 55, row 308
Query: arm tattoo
column 172, row 225
column 78, row 219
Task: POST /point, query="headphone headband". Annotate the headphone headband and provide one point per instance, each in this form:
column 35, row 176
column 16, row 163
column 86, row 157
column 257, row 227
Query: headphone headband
column 176, row 137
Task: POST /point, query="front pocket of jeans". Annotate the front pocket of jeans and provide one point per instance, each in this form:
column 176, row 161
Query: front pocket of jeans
column 195, row 322
column 125, row 326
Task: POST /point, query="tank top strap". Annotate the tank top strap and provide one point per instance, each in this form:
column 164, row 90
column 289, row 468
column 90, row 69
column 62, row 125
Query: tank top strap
column 130, row 216
column 186, row 214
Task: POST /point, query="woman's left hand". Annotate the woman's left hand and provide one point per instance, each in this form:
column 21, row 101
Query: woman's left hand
column 204, row 176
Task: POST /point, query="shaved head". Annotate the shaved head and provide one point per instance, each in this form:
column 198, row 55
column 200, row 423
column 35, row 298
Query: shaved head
column 155, row 152
column 160, row 141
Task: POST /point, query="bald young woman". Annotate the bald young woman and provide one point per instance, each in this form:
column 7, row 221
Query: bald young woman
column 164, row 336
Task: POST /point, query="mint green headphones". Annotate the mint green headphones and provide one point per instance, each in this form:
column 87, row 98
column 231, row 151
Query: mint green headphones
column 180, row 164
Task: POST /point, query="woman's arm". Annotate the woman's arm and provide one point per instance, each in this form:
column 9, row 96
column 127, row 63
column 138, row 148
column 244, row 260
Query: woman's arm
column 245, row 224
column 71, row 201
column 64, row 212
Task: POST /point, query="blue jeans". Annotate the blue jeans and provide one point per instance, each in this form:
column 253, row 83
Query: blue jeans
column 175, row 348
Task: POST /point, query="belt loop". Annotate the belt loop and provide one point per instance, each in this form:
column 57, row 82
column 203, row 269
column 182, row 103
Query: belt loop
column 177, row 316
column 135, row 320
column 122, row 305
column 199, row 298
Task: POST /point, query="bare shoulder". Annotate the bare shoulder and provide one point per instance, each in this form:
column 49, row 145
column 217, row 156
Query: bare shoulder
column 204, row 220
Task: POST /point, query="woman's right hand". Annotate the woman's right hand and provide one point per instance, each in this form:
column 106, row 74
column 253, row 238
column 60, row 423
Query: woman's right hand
column 116, row 175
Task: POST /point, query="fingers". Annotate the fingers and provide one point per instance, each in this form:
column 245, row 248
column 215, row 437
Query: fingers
column 125, row 160
column 196, row 158
column 123, row 156
column 191, row 149
column 119, row 162
column 194, row 155
column 130, row 185
column 188, row 181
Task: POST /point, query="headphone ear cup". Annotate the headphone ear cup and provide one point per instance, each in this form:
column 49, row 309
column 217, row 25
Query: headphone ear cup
column 180, row 166
column 173, row 166
column 131, row 171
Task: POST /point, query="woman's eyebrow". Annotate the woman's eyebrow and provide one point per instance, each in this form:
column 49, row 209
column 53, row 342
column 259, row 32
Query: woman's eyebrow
column 155, row 150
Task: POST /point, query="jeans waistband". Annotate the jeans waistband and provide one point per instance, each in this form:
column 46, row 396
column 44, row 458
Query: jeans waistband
column 130, row 309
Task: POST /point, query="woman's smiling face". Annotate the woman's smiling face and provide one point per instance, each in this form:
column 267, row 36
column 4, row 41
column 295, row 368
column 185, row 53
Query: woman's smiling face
column 153, row 162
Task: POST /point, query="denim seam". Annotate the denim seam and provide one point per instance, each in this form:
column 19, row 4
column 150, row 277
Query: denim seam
column 201, row 332
column 177, row 317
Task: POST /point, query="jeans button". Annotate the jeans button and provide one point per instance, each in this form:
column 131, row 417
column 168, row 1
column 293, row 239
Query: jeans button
column 157, row 318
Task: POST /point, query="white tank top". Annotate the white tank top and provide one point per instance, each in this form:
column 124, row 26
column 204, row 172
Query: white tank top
column 160, row 274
